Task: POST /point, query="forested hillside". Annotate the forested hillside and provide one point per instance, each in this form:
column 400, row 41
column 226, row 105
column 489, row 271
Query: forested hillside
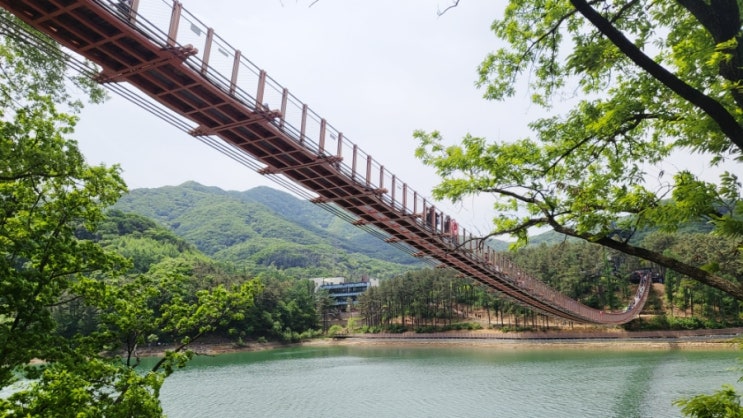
column 437, row 300
column 264, row 227
column 282, row 306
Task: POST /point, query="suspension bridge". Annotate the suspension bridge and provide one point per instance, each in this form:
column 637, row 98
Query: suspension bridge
column 159, row 56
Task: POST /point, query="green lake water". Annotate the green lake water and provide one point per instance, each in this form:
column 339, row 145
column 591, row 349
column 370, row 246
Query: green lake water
column 444, row 381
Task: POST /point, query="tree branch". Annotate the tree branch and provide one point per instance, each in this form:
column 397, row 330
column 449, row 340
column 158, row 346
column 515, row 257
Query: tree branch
column 725, row 120
column 695, row 273
column 721, row 18
column 451, row 6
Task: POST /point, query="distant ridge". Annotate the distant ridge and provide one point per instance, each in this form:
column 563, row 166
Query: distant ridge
column 262, row 226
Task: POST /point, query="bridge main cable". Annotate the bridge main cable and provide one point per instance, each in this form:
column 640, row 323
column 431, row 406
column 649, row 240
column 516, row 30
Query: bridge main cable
column 171, row 62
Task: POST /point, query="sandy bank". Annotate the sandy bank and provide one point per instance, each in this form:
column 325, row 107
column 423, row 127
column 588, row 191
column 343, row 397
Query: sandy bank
column 520, row 345
column 609, row 338
column 597, row 340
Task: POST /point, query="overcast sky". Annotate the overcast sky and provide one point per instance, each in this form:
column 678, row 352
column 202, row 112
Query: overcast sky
column 376, row 70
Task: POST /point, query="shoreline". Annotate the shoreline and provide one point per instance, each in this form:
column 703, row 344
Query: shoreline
column 552, row 344
column 699, row 340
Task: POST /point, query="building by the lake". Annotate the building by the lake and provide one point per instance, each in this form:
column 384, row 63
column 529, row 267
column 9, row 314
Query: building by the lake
column 343, row 291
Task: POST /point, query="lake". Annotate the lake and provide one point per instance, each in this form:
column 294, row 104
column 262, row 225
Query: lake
column 445, row 380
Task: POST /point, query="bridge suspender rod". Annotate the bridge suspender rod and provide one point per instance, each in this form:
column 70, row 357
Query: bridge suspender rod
column 323, row 127
column 405, row 197
column 415, row 201
column 303, row 128
column 175, row 17
column 260, row 90
column 392, row 195
column 235, row 70
column 353, row 162
column 284, row 100
column 133, row 11
column 381, row 178
column 368, row 169
column 207, row 50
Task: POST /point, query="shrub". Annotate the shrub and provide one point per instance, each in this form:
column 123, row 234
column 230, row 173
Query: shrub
column 516, row 329
column 659, row 322
column 686, row 323
column 370, row 330
column 312, row 333
column 289, row 336
column 465, row 326
column 335, row 330
column 396, row 328
column 426, row 329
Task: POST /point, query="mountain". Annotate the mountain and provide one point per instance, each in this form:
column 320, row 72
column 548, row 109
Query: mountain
column 264, row 227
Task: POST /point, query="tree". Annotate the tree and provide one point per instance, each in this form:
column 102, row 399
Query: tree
column 47, row 192
column 51, row 202
column 722, row 404
column 646, row 79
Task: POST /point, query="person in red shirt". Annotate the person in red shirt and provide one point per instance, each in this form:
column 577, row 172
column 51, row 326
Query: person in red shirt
column 454, row 231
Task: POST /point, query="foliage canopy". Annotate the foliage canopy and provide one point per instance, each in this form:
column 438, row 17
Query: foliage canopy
column 645, row 80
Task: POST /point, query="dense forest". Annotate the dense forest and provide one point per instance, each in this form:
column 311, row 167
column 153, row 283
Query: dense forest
column 427, row 300
column 284, row 307
column 282, row 241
